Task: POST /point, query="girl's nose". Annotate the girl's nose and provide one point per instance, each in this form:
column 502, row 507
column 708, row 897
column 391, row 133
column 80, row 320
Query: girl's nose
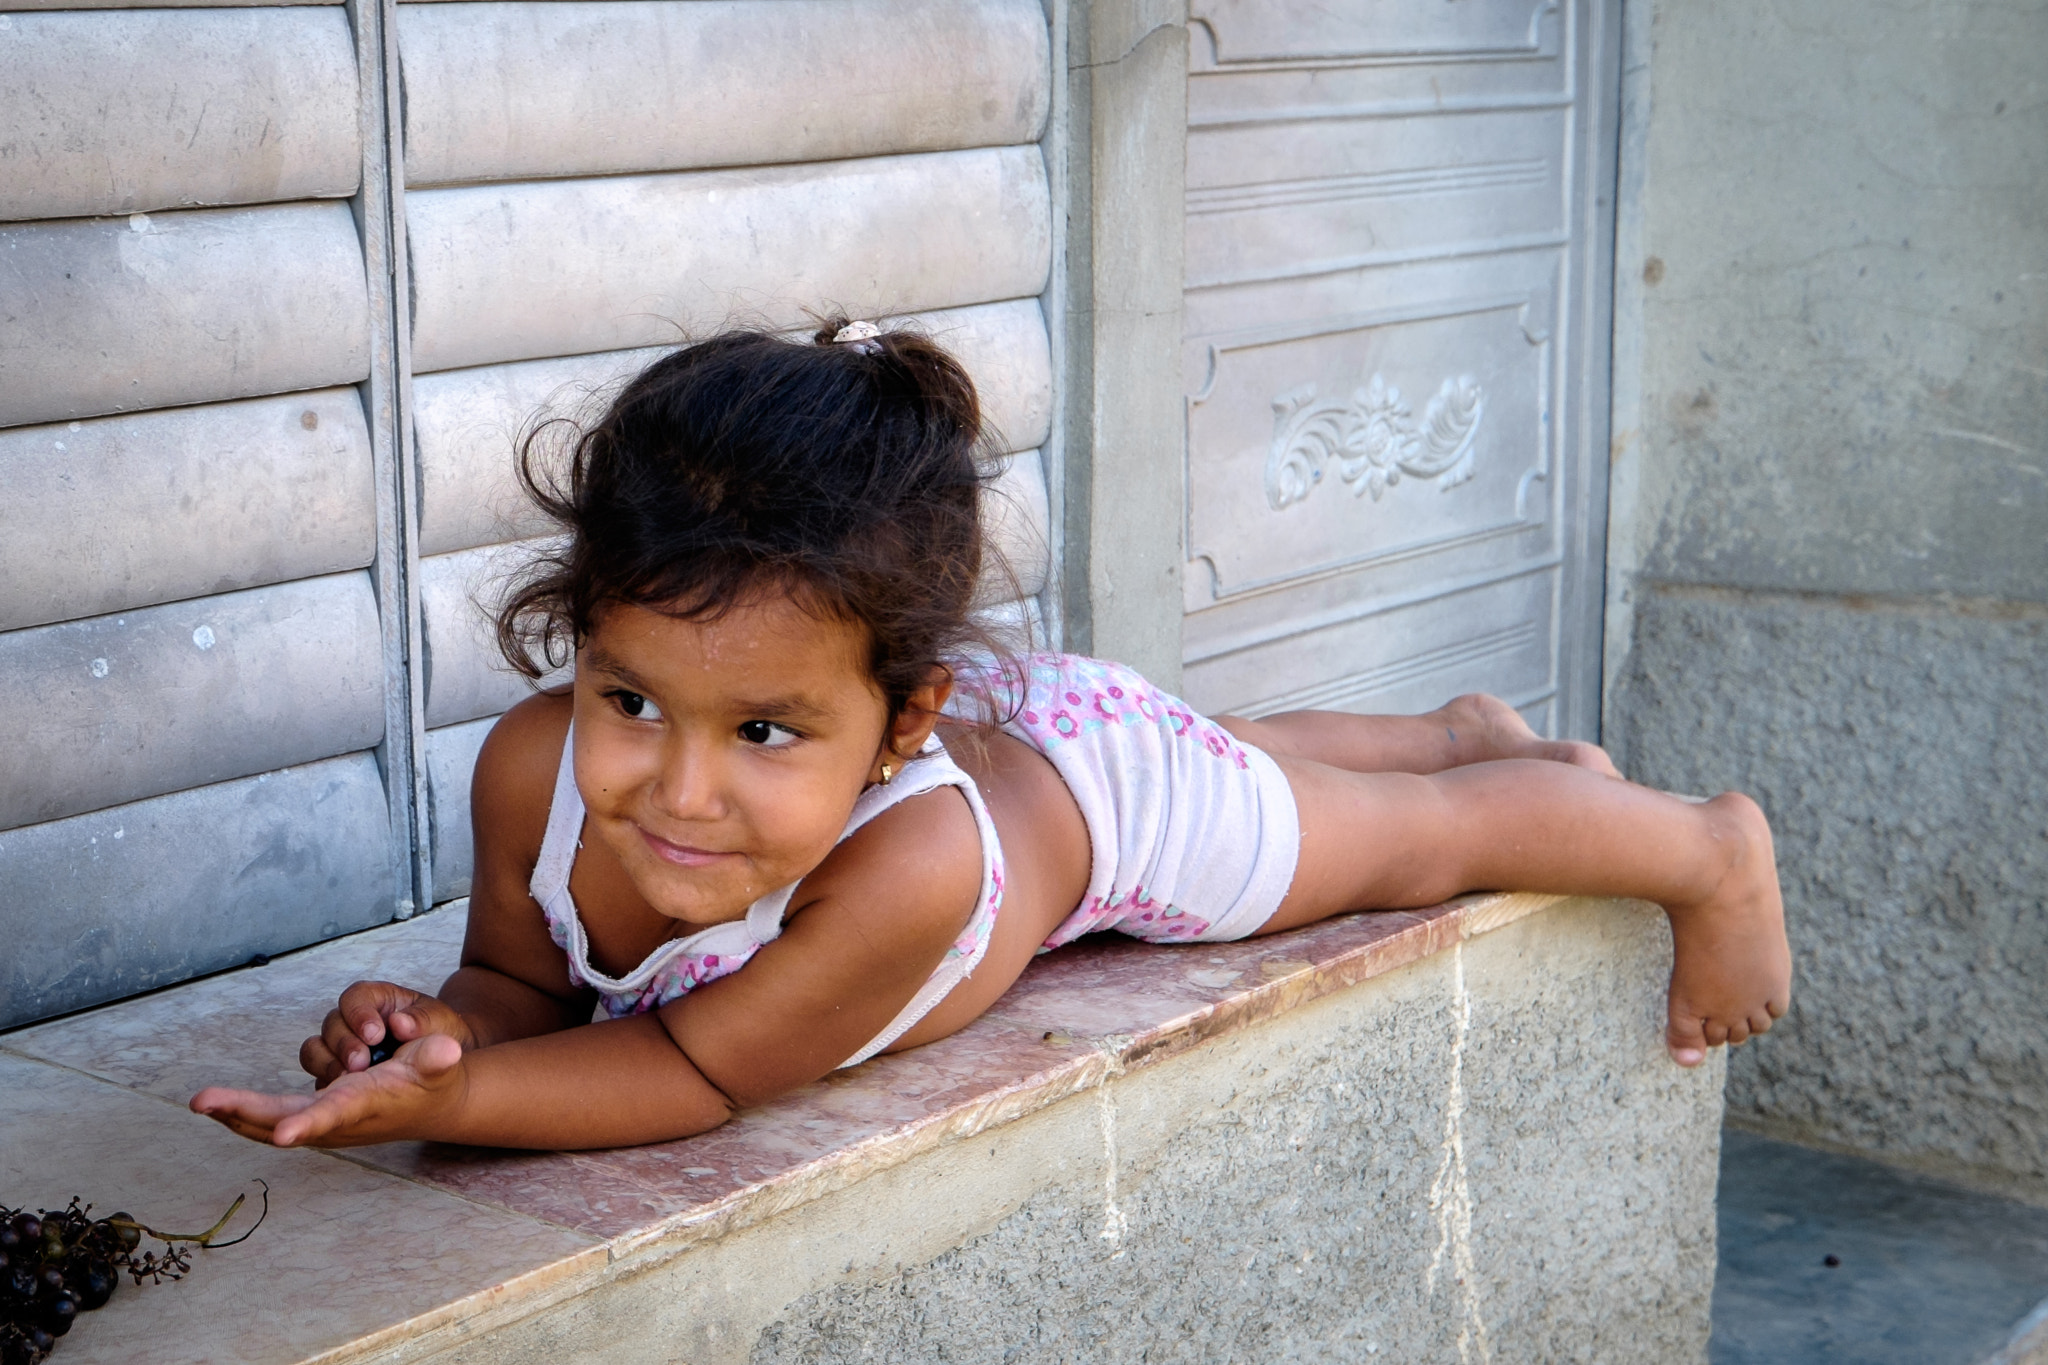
column 690, row 785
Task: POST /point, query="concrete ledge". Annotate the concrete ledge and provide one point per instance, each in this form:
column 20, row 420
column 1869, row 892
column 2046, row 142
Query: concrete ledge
column 1408, row 1136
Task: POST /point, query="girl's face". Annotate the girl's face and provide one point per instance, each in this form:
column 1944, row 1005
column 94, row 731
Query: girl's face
column 719, row 760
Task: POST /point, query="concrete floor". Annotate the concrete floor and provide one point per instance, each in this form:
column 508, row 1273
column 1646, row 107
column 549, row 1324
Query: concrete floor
column 1929, row 1274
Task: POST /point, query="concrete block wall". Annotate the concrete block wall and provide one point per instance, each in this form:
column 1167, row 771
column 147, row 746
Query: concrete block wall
column 1829, row 549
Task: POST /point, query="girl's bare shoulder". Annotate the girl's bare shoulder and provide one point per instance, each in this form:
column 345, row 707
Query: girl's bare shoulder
column 514, row 781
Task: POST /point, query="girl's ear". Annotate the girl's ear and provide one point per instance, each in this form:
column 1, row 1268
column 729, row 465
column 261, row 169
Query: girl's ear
column 913, row 724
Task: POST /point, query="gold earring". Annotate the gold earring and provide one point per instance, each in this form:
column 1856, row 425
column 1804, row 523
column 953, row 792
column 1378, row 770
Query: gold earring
column 887, row 773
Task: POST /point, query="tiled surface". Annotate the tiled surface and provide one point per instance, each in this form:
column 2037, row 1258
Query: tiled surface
column 345, row 1251
column 241, row 1028
column 365, row 1240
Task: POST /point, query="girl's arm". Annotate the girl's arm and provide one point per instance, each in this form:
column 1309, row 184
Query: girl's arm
column 872, row 923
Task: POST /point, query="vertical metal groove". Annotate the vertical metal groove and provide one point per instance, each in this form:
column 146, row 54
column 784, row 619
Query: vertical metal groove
column 1056, row 146
column 407, row 453
column 378, row 208
column 1596, row 139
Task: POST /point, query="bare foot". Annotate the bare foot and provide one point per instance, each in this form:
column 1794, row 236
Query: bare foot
column 1484, row 728
column 1731, row 970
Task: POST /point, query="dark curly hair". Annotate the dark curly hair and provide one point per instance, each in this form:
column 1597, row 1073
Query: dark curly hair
column 849, row 475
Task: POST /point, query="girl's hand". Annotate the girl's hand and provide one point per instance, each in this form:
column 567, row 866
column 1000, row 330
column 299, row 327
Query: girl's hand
column 373, row 1012
column 411, row 1096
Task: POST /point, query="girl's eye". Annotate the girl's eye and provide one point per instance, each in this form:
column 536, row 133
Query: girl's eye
column 767, row 734
column 636, row 706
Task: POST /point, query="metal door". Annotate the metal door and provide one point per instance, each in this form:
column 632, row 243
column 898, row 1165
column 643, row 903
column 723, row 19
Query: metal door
column 1398, row 269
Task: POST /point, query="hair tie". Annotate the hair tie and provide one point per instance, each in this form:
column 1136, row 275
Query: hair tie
column 860, row 336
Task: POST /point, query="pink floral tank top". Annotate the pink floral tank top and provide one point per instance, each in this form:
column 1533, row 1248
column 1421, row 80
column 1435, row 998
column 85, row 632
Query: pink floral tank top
column 681, row 965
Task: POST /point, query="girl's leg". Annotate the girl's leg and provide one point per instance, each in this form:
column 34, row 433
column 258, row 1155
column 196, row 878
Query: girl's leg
column 1400, row 841
column 1469, row 729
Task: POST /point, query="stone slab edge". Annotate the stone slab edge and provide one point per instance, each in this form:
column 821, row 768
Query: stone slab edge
column 2029, row 1344
column 1431, row 932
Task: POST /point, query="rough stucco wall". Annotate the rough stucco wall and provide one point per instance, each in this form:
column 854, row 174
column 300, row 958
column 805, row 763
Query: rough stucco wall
column 1899, row 750
column 1831, row 530
column 1290, row 1192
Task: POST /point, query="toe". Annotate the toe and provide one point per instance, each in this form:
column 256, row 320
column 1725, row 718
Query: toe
column 1738, row 1033
column 1761, row 1022
column 1685, row 1041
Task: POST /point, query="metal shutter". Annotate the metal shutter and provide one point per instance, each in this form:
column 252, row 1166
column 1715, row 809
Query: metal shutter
column 252, row 507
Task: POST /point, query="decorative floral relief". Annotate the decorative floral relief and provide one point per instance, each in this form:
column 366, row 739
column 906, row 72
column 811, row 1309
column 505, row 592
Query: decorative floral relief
column 1371, row 440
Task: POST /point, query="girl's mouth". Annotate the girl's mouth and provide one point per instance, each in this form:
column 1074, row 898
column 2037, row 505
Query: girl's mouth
column 681, row 855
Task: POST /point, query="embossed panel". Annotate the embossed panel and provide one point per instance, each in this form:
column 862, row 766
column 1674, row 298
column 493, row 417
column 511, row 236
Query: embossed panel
column 1382, row 438
column 1274, row 198
column 1403, row 657
column 1396, row 353
column 1296, row 30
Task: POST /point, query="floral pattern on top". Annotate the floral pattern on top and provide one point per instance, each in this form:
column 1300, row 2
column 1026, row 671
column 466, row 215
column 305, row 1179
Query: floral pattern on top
column 1067, row 696
column 675, row 978
column 686, row 970
column 1134, row 913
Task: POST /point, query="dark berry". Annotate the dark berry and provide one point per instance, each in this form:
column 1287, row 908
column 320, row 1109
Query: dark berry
column 96, row 1286
column 28, row 1227
column 60, row 1314
column 1831, row 1260
column 41, row 1340
column 21, row 1283
column 381, row 1052
column 129, row 1235
column 8, row 1236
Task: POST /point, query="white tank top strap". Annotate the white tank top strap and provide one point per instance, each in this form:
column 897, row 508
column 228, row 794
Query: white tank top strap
column 931, row 769
column 565, row 829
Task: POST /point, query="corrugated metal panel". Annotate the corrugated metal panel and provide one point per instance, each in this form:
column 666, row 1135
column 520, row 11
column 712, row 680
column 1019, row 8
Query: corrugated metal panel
column 115, row 112
column 466, row 676
column 122, row 512
column 116, row 315
column 1014, row 510
column 117, row 708
column 147, row 715
column 451, row 758
column 122, row 900
column 469, row 422
column 516, row 272
column 31, row 6
column 519, row 91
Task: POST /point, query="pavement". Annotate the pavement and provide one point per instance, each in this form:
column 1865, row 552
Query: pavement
column 1828, row 1258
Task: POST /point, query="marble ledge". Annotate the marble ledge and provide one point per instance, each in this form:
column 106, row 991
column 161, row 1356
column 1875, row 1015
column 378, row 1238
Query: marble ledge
column 1078, row 1018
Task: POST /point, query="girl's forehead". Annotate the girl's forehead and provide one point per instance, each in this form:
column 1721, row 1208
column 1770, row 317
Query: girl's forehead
column 771, row 641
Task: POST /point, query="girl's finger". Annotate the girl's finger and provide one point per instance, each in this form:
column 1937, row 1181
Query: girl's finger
column 436, row 1053
column 331, row 1111
column 243, row 1128
column 351, row 1053
column 318, row 1061
column 253, row 1105
column 364, row 1005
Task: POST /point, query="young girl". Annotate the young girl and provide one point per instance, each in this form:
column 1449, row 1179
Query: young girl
column 796, row 809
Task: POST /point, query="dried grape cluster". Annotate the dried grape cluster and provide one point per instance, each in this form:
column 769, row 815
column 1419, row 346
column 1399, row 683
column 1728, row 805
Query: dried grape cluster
column 58, row 1263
